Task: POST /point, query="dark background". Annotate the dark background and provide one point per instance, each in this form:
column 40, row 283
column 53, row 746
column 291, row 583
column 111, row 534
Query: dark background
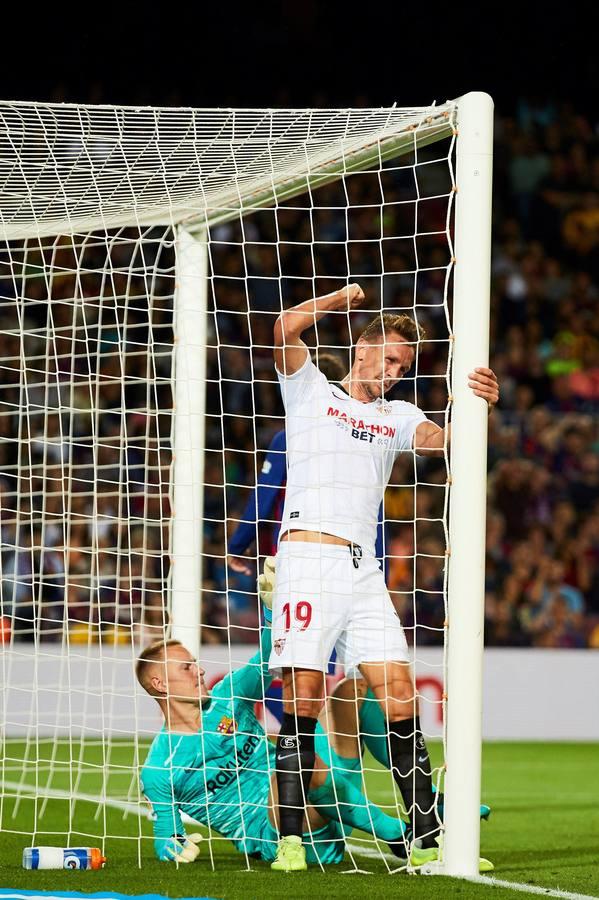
column 300, row 54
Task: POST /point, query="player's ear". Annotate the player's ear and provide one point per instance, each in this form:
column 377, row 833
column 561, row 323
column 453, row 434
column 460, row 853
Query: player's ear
column 158, row 686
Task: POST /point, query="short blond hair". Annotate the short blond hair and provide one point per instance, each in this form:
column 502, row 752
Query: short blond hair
column 154, row 653
column 402, row 325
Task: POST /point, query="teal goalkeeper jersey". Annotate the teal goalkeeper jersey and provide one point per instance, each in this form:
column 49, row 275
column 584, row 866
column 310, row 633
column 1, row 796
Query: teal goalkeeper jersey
column 219, row 776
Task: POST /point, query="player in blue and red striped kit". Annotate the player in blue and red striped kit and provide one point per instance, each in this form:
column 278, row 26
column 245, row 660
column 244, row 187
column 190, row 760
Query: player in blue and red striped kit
column 264, row 507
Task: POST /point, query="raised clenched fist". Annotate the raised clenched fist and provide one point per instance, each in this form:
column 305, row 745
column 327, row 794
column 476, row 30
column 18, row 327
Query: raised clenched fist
column 353, row 295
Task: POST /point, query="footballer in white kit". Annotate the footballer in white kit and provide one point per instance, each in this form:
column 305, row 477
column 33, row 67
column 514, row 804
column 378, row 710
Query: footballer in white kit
column 342, row 441
column 340, row 454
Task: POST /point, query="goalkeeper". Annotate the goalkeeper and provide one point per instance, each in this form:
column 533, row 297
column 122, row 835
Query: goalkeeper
column 213, row 762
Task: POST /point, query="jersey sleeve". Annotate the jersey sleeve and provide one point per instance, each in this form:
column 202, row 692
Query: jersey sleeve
column 406, row 419
column 245, row 533
column 251, row 681
column 302, row 386
column 158, row 788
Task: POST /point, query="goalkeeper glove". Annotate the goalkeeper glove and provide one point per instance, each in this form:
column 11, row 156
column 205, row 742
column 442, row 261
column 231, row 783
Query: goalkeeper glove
column 266, row 583
column 179, row 848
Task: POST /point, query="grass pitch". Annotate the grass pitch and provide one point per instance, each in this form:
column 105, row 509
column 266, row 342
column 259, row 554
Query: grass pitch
column 543, row 830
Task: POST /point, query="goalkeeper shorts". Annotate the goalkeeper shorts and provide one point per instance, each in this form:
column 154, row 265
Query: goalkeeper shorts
column 328, row 595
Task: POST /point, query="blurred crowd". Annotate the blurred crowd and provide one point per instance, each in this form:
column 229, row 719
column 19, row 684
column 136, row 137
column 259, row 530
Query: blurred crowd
column 543, row 522
column 85, row 400
column 95, row 454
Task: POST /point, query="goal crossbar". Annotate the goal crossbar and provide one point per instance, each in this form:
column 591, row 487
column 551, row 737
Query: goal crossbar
column 109, row 167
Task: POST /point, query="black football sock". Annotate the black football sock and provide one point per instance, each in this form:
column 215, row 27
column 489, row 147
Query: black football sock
column 411, row 769
column 295, row 765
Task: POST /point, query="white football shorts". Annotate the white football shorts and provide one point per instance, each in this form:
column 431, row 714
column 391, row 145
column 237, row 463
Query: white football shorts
column 328, row 595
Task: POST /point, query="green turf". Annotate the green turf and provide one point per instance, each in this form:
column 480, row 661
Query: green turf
column 543, row 830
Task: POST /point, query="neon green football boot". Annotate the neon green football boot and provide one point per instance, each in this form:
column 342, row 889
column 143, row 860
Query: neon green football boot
column 420, row 857
column 291, row 855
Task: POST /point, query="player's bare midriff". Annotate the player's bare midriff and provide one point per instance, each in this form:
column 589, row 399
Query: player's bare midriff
column 314, row 537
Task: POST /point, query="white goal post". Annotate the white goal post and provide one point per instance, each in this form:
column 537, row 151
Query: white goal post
column 467, row 514
column 69, row 170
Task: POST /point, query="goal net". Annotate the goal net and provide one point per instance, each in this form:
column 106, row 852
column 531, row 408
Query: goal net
column 145, row 257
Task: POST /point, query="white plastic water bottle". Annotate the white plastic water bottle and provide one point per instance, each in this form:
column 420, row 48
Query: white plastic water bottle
column 63, row 858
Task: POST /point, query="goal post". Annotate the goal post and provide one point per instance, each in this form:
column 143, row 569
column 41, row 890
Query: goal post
column 122, row 230
column 467, row 510
column 188, row 437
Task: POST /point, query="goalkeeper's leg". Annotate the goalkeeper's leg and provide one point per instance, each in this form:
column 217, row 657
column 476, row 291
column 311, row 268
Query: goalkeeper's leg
column 338, row 799
column 337, row 788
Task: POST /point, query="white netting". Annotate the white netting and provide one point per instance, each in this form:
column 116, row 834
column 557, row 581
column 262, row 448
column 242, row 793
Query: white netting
column 87, row 394
column 75, row 168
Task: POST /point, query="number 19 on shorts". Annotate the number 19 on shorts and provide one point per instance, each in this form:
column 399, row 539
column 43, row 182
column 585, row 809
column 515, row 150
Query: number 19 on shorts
column 302, row 614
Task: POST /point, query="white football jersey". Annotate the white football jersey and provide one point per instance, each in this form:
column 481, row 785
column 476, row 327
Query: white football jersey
column 340, row 453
